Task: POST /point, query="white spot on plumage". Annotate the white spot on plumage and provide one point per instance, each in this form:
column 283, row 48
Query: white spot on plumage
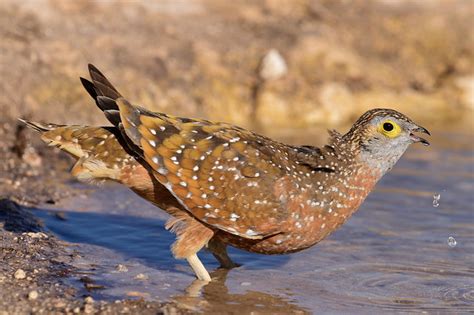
column 251, row 232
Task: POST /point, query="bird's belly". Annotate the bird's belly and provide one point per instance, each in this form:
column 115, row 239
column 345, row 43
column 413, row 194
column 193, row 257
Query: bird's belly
column 293, row 240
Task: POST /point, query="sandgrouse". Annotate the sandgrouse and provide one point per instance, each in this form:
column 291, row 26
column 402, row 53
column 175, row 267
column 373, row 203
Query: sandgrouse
column 224, row 185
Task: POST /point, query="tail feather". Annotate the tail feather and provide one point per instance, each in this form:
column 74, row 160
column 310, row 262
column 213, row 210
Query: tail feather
column 104, row 94
column 102, row 84
column 40, row 127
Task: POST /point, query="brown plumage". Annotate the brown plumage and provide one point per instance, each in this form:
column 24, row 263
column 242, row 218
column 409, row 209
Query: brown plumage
column 226, row 185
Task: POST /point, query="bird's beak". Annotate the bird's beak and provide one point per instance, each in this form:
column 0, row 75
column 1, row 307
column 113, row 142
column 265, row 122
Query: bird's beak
column 415, row 138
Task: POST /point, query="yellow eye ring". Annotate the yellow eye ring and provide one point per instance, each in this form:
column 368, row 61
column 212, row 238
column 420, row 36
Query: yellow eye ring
column 389, row 129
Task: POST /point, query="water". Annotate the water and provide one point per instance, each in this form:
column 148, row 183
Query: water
column 390, row 257
column 436, row 198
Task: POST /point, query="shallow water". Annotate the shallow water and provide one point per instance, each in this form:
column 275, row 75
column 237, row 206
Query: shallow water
column 392, row 255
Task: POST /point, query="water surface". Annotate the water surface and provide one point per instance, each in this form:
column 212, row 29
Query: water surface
column 392, row 255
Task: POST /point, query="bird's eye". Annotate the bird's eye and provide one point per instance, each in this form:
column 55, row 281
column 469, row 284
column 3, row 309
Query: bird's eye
column 389, row 129
column 387, row 126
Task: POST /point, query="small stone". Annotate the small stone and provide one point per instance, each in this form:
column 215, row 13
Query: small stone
column 33, row 295
column 89, row 300
column 121, row 268
column 88, row 308
column 245, row 284
column 273, row 66
column 141, row 276
column 20, row 274
column 37, row 235
column 138, row 294
column 76, row 310
column 31, row 157
column 60, row 304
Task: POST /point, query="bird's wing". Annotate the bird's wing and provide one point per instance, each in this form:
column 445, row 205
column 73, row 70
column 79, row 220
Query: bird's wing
column 222, row 174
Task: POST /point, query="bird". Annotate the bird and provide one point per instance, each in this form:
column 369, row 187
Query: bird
column 226, row 185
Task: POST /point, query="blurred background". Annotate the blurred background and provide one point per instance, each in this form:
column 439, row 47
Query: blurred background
column 288, row 69
column 283, row 64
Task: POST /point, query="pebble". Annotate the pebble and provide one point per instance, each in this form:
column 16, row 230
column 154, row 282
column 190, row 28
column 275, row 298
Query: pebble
column 37, row 235
column 138, row 294
column 88, row 308
column 33, row 295
column 89, row 300
column 20, row 274
column 121, row 268
column 141, row 276
column 245, row 284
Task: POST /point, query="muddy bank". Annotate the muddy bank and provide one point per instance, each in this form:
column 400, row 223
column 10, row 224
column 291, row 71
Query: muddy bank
column 36, row 268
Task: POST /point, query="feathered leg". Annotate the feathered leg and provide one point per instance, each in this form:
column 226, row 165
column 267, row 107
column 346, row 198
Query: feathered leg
column 219, row 250
column 191, row 237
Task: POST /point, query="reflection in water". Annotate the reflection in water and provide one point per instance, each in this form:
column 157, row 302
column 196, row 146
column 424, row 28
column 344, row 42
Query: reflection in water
column 392, row 255
column 215, row 298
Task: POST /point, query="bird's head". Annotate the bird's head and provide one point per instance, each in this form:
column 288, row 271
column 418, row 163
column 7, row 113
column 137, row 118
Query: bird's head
column 381, row 136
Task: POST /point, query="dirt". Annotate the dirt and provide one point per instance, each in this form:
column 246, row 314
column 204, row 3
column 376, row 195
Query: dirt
column 34, row 265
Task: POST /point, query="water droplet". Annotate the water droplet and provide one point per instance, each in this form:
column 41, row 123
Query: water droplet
column 452, row 242
column 436, row 198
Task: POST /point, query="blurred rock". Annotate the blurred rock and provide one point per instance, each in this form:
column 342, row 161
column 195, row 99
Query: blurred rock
column 141, row 276
column 337, row 103
column 20, row 274
column 33, row 295
column 31, row 157
column 121, row 268
column 272, row 66
column 466, row 85
column 204, row 66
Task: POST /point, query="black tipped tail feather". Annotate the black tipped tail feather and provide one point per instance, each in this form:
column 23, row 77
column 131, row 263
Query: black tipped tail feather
column 104, row 94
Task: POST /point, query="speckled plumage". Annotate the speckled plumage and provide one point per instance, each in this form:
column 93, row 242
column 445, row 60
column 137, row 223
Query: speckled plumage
column 227, row 185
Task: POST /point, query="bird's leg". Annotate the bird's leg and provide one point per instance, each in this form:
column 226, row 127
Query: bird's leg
column 219, row 250
column 198, row 267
